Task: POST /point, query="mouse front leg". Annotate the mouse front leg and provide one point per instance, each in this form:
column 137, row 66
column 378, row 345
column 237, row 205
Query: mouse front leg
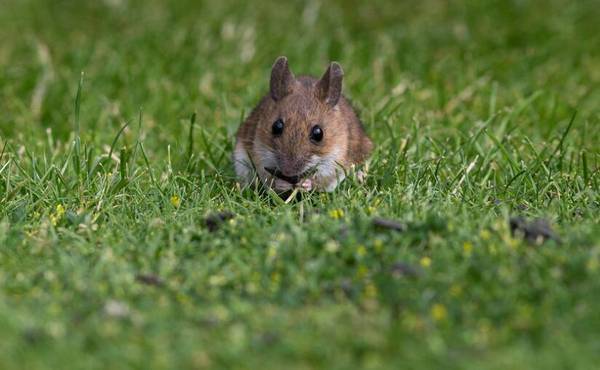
column 307, row 185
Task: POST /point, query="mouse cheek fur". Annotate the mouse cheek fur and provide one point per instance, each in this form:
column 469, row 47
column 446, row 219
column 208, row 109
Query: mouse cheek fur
column 242, row 163
column 264, row 157
column 248, row 165
column 330, row 172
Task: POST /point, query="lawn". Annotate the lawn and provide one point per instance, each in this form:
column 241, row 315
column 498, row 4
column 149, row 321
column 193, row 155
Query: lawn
column 125, row 241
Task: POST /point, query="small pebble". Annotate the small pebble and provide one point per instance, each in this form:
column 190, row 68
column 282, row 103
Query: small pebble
column 534, row 231
column 389, row 224
column 402, row 269
column 149, row 279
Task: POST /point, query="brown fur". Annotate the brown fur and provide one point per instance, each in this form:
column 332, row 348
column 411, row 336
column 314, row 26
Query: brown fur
column 302, row 103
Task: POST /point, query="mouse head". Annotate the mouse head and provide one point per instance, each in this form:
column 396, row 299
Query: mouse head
column 302, row 132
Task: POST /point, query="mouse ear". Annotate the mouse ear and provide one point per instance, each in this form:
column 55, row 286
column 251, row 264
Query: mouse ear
column 281, row 79
column 329, row 87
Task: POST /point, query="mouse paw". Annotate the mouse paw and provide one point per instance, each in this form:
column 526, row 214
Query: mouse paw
column 307, row 185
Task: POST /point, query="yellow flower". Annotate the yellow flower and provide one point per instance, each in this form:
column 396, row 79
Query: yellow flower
column 439, row 312
column 468, row 248
column 378, row 245
column 513, row 243
column 361, row 251
column 57, row 215
column 336, row 214
column 370, row 290
column 175, row 201
column 485, row 235
column 271, row 253
column 362, row 272
column 425, row 261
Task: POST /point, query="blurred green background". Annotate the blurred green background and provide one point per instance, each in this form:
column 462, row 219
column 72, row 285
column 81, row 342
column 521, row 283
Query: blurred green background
column 172, row 58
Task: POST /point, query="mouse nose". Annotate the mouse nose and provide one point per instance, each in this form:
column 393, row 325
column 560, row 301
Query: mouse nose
column 277, row 173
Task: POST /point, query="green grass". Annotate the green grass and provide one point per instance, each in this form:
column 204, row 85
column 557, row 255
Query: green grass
column 480, row 110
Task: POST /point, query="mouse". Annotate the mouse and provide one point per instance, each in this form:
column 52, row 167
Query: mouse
column 303, row 134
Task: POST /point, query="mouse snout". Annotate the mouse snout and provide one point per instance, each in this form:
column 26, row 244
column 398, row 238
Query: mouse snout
column 275, row 172
column 291, row 167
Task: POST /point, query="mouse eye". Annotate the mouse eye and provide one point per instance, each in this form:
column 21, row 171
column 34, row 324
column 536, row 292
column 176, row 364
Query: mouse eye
column 316, row 133
column 277, row 128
